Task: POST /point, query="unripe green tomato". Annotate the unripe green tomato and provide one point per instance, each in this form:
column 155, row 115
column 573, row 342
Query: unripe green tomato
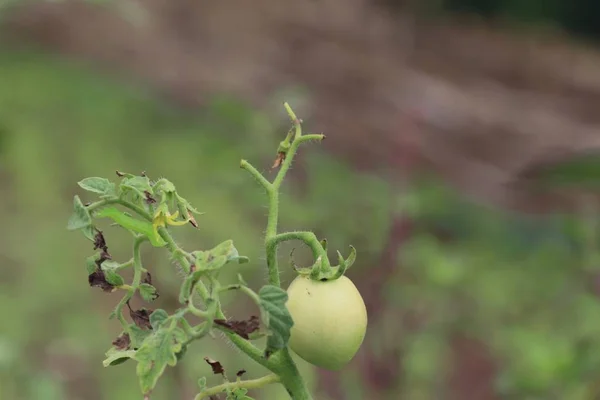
column 330, row 321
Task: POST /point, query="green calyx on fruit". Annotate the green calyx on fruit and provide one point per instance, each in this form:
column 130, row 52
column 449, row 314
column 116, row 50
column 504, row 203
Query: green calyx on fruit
column 321, row 270
column 330, row 320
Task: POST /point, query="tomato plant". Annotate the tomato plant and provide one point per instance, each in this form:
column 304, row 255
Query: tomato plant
column 156, row 339
column 330, row 320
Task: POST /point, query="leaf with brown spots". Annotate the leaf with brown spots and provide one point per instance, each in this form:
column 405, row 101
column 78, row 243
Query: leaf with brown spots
column 242, row 328
column 240, row 373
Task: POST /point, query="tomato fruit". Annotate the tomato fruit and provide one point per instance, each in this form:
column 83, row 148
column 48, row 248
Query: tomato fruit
column 330, row 320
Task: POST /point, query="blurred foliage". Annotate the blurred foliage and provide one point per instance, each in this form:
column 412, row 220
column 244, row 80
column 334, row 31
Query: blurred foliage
column 521, row 285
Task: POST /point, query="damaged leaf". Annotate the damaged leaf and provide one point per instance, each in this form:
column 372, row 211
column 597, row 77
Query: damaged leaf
column 148, row 292
column 97, row 279
column 216, row 366
column 122, row 342
column 141, row 317
column 242, row 328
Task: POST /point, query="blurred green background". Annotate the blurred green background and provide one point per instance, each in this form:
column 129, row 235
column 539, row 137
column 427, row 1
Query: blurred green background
column 510, row 299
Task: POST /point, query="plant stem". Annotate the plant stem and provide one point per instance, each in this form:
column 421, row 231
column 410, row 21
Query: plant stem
column 247, row 384
column 308, row 238
column 251, row 350
column 291, row 378
column 137, row 277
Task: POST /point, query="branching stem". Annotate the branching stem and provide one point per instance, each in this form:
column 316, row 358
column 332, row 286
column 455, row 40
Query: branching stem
column 246, row 384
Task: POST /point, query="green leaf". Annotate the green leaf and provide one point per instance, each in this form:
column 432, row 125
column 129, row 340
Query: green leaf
column 89, row 232
column 228, row 250
column 180, row 354
column 133, row 224
column 80, row 218
column 165, row 185
column 238, row 394
column 116, row 357
column 90, row 264
column 138, row 184
column 276, row 317
column 110, row 273
column 158, row 351
column 137, row 335
column 186, row 204
column 206, row 261
column 202, row 383
column 582, row 169
column 148, row 292
column 158, row 317
column 217, row 257
column 113, row 278
column 97, row 185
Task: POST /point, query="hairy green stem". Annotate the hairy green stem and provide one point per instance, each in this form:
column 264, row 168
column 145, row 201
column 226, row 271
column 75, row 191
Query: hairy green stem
column 271, row 231
column 247, row 384
column 308, row 238
column 291, row 378
column 282, row 363
column 256, row 174
column 137, row 277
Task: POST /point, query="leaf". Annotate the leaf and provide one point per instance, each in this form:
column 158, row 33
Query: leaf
column 158, row 351
column 98, row 279
column 133, row 224
column 228, row 250
column 216, row 366
column 80, row 218
column 138, row 184
column 148, row 292
column 147, row 278
column 276, row 316
column 165, row 185
column 582, row 169
column 217, row 257
column 110, row 274
column 202, row 383
column 90, row 264
column 116, row 357
column 141, row 317
column 181, row 353
column 97, row 185
column 137, row 335
column 122, row 342
column 206, row 261
column 89, row 232
column 242, row 328
column 238, row 394
column 158, row 317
